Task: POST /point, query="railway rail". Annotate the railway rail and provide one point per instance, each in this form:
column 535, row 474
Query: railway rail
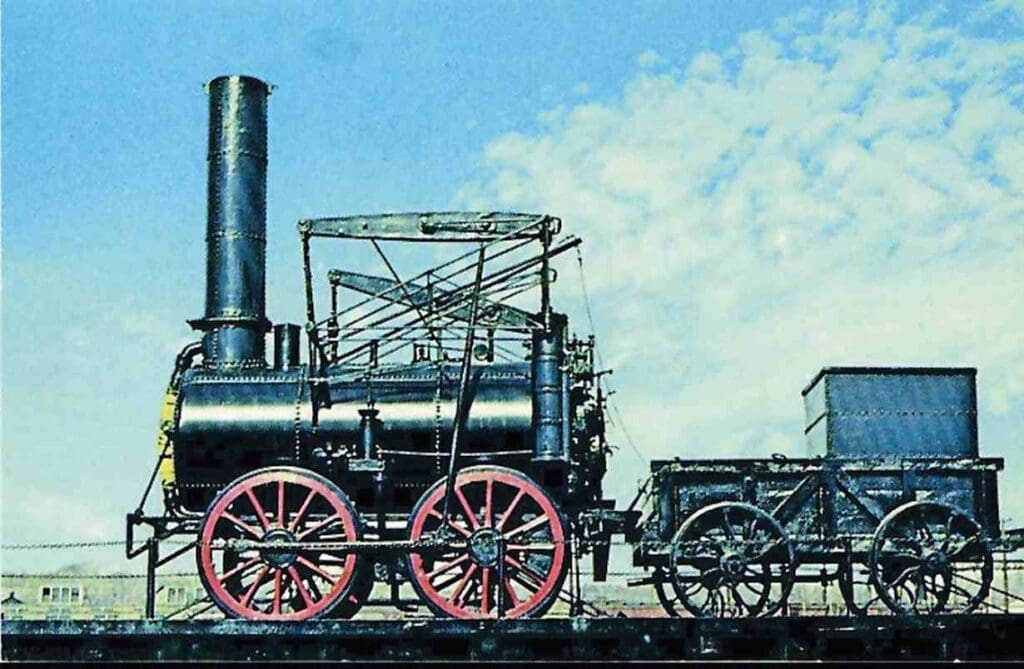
column 990, row 637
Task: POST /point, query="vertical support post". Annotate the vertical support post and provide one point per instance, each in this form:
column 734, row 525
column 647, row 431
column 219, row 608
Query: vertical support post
column 152, row 558
column 431, row 320
column 577, row 599
column 499, row 601
column 462, row 408
column 333, row 330
column 1006, row 582
column 545, row 263
column 307, row 276
column 828, row 490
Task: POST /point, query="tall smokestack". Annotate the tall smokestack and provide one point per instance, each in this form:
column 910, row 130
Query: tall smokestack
column 236, row 224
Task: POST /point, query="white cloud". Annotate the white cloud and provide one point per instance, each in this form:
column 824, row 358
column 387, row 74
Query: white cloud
column 996, row 8
column 849, row 191
column 648, row 58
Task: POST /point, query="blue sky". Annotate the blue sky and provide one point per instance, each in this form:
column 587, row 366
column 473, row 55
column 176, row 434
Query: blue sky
column 775, row 186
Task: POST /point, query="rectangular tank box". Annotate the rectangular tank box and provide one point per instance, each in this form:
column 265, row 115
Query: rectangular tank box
column 857, row 412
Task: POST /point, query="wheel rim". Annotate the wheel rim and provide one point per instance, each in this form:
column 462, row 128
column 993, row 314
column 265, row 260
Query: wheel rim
column 928, row 557
column 490, row 506
column 666, row 594
column 731, row 560
column 277, row 504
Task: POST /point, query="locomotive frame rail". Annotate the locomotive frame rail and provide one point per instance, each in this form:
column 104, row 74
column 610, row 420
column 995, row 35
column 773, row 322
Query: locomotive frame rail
column 812, row 637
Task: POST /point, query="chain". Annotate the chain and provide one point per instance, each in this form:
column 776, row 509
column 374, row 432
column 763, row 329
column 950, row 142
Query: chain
column 77, row 544
column 298, row 419
column 101, row 577
column 437, row 419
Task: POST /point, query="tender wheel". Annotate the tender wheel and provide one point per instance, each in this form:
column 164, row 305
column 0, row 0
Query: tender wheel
column 928, row 557
column 731, row 560
column 277, row 504
column 500, row 522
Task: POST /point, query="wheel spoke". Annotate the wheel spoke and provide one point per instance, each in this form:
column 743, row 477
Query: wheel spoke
column 963, row 592
column 531, row 587
column 470, row 515
column 451, row 523
column 294, row 573
column 448, row 566
column 738, row 599
column 949, row 533
column 456, row 595
column 527, row 526
column 512, row 593
column 319, row 526
column 489, row 503
column 924, row 522
column 903, row 576
column 302, row 511
column 511, row 507
column 280, row 503
column 255, row 585
column 525, row 570
column 313, row 567
column 485, row 590
column 693, row 587
column 960, row 549
column 753, row 524
column 749, row 586
column 763, row 555
column 260, row 513
column 241, row 524
column 726, row 525
column 240, row 568
column 277, row 591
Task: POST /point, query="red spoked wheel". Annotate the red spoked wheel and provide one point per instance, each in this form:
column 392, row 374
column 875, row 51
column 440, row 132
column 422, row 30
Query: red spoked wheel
column 504, row 533
column 277, row 505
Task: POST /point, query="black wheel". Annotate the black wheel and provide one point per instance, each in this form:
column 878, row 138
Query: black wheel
column 928, row 558
column 731, row 560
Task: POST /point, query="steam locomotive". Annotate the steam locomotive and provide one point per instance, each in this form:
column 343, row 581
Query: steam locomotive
column 436, row 424
column 446, row 430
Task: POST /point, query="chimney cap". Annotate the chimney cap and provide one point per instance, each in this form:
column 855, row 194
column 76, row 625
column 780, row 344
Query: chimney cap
column 241, row 78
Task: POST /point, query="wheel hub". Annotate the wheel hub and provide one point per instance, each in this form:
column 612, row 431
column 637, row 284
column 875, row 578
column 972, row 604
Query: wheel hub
column 484, row 546
column 278, row 559
column 732, row 565
column 934, row 562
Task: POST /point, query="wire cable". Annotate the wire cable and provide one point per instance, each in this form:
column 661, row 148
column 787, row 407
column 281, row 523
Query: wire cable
column 618, row 420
